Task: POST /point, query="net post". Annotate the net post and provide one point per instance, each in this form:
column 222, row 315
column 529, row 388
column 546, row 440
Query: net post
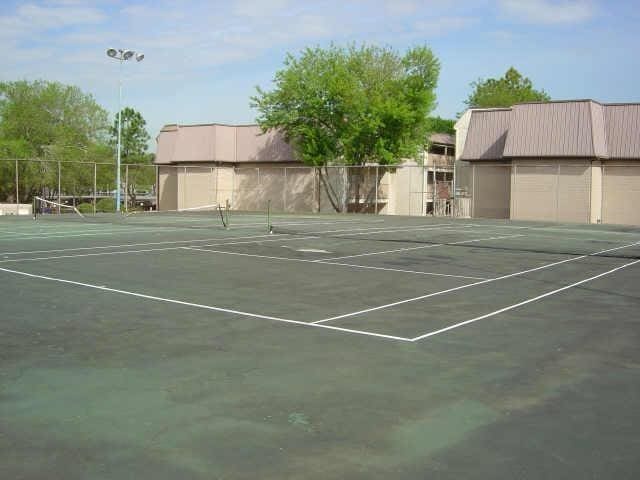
column 269, row 229
column 227, row 208
column 33, row 208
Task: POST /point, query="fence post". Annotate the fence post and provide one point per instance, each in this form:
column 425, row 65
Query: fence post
column 345, row 189
column 157, row 187
column 17, row 190
column 59, row 186
column 126, row 188
column 184, row 189
column 423, row 203
column 376, row 180
column 473, row 190
column 453, row 185
column 557, row 191
column 284, row 191
column 233, row 186
column 95, row 185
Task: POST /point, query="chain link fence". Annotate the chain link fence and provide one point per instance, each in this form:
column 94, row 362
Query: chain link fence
column 90, row 186
column 386, row 190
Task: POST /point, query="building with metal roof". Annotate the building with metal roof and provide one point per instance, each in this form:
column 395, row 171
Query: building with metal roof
column 575, row 160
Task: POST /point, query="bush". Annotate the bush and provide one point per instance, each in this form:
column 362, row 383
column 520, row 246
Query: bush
column 106, row 205
column 85, row 208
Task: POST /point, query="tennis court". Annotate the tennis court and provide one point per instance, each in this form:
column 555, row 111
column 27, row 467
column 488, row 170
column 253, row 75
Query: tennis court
column 317, row 346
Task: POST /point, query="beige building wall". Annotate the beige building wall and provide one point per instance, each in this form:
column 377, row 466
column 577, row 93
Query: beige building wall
column 621, row 193
column 491, row 190
column 167, row 188
column 596, row 192
column 225, row 183
column 198, row 186
column 548, row 190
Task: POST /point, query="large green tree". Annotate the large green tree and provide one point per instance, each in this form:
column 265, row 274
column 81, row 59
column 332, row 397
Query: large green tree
column 352, row 105
column 441, row 125
column 134, row 139
column 50, row 120
column 505, row 91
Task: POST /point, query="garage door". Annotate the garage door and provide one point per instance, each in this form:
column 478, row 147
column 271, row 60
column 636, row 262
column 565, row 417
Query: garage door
column 621, row 195
column 551, row 192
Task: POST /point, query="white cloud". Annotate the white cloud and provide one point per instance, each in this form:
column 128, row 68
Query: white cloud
column 59, row 16
column 549, row 12
column 442, row 26
column 401, row 7
column 259, row 8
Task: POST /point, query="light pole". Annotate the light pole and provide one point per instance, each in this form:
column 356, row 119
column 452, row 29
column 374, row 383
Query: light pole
column 121, row 55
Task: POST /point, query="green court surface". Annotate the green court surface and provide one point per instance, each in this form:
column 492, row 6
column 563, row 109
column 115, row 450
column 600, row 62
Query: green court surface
column 335, row 347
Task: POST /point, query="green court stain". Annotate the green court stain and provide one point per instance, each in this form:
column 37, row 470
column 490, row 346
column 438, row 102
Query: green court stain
column 300, row 420
column 440, row 428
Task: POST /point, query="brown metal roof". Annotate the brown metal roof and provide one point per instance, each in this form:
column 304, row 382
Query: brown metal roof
column 623, row 130
column 220, row 143
column 553, row 129
column 576, row 128
column 442, row 139
column 487, row 134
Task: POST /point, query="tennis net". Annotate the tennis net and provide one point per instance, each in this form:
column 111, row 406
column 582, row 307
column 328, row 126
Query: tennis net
column 44, row 207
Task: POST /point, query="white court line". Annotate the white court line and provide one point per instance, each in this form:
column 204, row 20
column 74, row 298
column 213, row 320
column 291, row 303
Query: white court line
column 563, row 230
column 121, row 252
column 103, row 232
column 418, row 272
column 288, row 259
column 156, row 243
column 462, row 287
column 406, row 249
column 168, row 242
column 375, row 230
column 518, row 305
column 205, row 307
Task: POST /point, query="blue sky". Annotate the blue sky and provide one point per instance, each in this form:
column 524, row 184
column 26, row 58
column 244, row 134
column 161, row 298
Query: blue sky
column 204, row 59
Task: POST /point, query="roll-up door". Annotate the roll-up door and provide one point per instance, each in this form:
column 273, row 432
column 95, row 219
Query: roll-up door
column 550, row 192
column 621, row 194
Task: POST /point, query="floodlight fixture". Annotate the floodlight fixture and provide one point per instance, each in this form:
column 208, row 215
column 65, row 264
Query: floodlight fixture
column 121, row 55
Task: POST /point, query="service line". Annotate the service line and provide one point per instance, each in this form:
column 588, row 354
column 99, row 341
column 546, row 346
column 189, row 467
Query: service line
column 304, row 260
